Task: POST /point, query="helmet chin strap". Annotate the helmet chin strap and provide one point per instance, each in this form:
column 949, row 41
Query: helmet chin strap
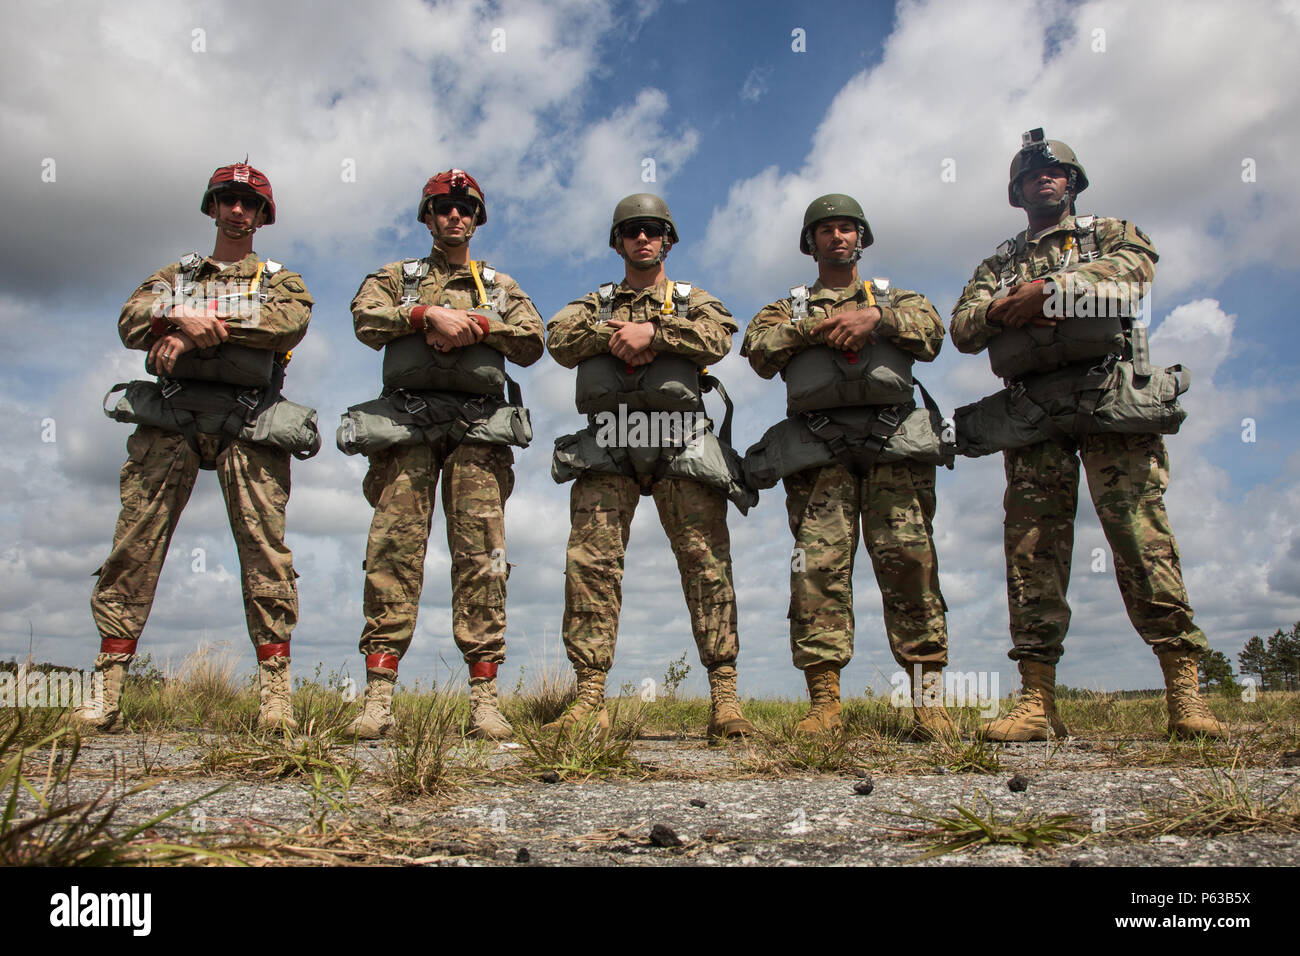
column 454, row 240
column 1052, row 208
column 231, row 231
column 646, row 266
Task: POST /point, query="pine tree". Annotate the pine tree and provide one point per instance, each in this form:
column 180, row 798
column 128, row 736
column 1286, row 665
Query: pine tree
column 1254, row 660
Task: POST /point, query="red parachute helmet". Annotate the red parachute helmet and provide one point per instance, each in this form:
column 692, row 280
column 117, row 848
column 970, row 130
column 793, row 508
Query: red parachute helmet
column 240, row 175
column 454, row 182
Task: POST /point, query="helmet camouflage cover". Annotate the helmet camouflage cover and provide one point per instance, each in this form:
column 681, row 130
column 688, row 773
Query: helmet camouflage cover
column 641, row 206
column 833, row 206
column 1037, row 152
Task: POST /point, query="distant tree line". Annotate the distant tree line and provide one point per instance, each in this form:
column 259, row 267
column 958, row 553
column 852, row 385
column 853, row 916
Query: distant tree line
column 1275, row 663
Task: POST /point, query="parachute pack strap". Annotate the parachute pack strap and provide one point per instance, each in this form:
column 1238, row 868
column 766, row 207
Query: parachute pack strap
column 185, row 277
column 799, row 302
column 871, row 296
column 514, row 395
column 119, row 387
column 265, row 270
column 413, row 270
column 257, row 279
column 1085, row 229
column 1138, row 351
column 605, row 295
column 710, row 383
column 241, row 413
column 681, row 299
column 835, row 438
column 886, row 422
column 186, row 423
column 1006, row 263
column 930, row 403
column 478, row 284
column 1032, row 412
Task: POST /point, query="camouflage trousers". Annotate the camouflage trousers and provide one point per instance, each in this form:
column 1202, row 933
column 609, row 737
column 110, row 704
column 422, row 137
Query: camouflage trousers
column 694, row 517
column 157, row 479
column 400, row 485
column 1127, row 478
column 895, row 504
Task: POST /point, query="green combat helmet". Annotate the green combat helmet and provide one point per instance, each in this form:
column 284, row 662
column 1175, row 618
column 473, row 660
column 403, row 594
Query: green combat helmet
column 834, row 206
column 1036, row 151
column 641, row 206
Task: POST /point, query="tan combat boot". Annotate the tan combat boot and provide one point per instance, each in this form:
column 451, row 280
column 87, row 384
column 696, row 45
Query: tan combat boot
column 725, row 718
column 590, row 704
column 1188, row 714
column 376, row 717
column 824, row 691
column 104, row 708
column 930, row 721
column 485, row 717
column 1035, row 713
column 276, row 709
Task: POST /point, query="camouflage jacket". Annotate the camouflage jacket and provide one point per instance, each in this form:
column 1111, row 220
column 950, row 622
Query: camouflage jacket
column 1125, row 255
column 773, row 336
column 279, row 323
column 702, row 335
column 378, row 317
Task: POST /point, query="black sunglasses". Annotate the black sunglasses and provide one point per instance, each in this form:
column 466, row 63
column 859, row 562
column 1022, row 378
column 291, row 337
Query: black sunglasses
column 444, row 206
column 652, row 229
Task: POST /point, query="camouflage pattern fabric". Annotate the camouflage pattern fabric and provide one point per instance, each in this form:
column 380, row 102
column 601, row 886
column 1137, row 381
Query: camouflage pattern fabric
column 277, row 324
column 1125, row 256
column 156, row 483
column 378, row 317
column 1127, row 477
column 894, row 505
column 773, row 336
column 476, row 478
column 694, row 517
column 401, row 486
column 702, row 335
column 601, row 506
column 160, row 470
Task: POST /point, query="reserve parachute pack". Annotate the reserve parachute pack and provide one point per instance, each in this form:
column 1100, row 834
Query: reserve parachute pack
column 229, row 389
column 431, row 396
column 821, row 377
column 666, row 395
column 668, row 384
column 1065, row 406
column 1081, row 376
column 849, row 408
column 856, row 437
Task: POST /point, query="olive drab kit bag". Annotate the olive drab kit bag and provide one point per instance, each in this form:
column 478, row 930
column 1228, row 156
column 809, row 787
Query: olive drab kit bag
column 228, row 389
column 431, row 396
column 848, row 408
column 1080, row 376
column 671, row 389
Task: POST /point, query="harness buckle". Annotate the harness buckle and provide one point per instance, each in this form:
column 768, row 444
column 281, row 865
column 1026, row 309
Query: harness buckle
column 414, row 404
column 169, row 387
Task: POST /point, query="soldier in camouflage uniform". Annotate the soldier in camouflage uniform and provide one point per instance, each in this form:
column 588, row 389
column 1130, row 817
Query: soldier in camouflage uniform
column 1127, row 473
column 477, row 477
column 892, row 501
column 162, row 465
column 639, row 322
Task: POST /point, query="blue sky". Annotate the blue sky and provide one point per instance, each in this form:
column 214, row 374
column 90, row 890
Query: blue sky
column 135, row 106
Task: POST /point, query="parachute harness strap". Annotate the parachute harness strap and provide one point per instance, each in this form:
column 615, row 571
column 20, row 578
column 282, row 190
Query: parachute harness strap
column 413, row 270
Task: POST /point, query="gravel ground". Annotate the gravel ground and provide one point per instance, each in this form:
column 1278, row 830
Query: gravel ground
column 706, row 806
